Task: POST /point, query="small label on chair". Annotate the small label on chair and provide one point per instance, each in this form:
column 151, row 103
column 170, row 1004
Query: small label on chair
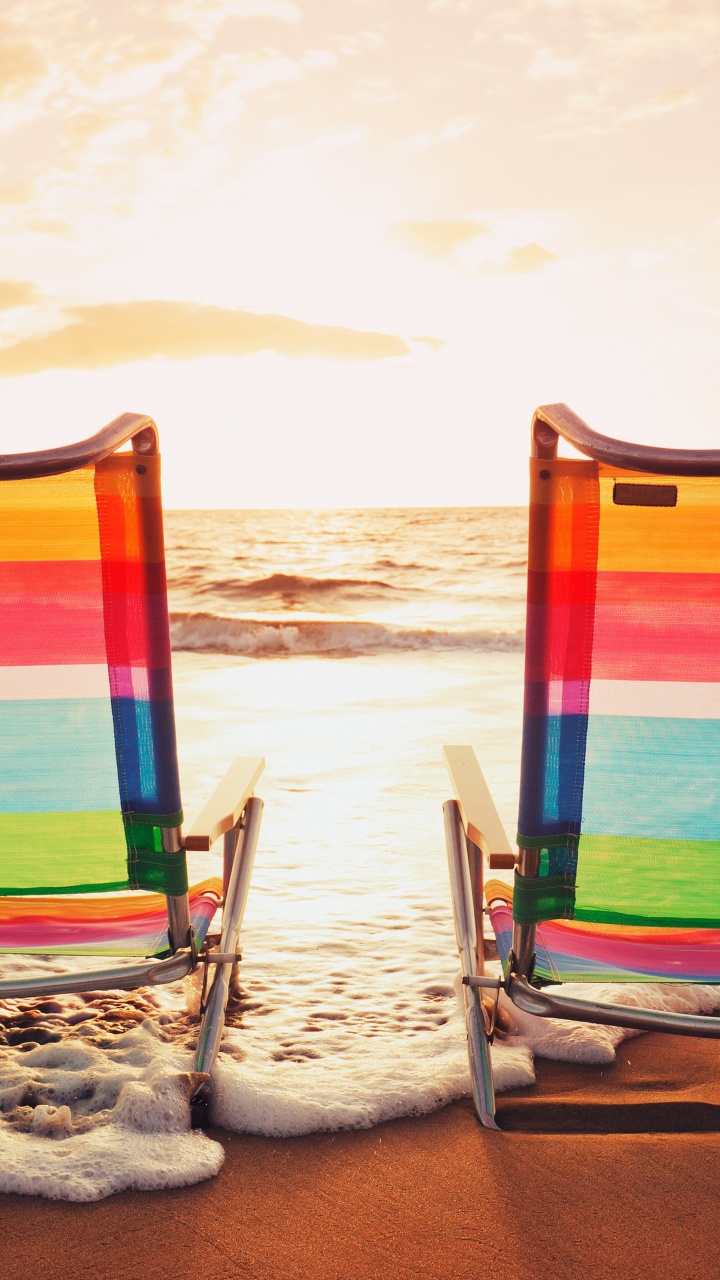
column 645, row 495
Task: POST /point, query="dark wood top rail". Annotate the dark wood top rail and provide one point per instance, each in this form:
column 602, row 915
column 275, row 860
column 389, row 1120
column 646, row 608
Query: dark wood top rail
column 553, row 420
column 137, row 427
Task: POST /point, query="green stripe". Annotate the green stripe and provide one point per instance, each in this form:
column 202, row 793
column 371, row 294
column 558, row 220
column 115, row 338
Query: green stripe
column 159, row 872
column 154, row 819
column 88, row 852
column 643, row 881
column 547, row 842
column 62, row 852
column 11, row 891
column 149, row 867
column 542, row 898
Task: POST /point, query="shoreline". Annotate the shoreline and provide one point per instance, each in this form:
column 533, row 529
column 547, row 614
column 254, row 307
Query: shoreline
column 603, row 1171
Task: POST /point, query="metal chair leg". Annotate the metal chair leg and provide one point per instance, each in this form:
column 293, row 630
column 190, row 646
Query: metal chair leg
column 234, row 908
column 478, row 1040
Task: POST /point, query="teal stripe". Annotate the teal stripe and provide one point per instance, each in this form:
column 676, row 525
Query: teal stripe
column 652, row 777
column 57, row 754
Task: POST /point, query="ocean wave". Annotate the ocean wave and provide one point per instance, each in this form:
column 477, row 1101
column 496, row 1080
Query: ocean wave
column 252, row 637
column 296, row 587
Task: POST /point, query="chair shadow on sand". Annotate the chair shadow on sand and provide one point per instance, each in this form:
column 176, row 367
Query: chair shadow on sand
column 658, row 1085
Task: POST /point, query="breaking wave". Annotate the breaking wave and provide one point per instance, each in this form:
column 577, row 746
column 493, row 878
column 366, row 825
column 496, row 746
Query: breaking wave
column 216, row 633
column 295, row 587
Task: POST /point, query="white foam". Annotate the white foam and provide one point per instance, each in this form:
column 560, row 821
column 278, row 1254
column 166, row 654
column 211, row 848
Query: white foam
column 86, row 1116
column 203, row 632
column 79, row 1121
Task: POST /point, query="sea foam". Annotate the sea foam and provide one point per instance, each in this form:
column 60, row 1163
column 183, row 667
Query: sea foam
column 91, row 1113
column 203, row 632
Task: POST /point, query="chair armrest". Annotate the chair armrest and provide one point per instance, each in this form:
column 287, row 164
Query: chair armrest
column 480, row 818
column 226, row 803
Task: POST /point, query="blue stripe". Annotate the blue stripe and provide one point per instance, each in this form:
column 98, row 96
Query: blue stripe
column 57, row 755
column 648, row 776
column 147, row 755
column 551, row 785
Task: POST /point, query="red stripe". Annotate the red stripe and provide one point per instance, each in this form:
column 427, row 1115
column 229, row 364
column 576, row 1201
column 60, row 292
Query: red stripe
column 574, row 587
column 40, row 577
column 659, row 588
column 558, row 642
column 139, row 629
column 561, row 587
column 135, row 577
column 647, row 626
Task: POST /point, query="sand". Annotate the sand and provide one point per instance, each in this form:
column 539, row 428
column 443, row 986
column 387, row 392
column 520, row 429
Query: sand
column 626, row 1187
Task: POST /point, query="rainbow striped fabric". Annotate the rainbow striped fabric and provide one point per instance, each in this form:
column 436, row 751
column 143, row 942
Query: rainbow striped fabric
column 112, row 925
column 572, row 951
column 88, row 765
column 620, row 789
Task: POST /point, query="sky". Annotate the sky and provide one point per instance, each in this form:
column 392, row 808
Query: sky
column 341, row 249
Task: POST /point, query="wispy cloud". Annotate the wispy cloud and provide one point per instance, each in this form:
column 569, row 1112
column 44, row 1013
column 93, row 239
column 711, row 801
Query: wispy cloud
column 673, row 100
column 122, row 333
column 435, row 138
column 547, row 65
column 438, row 239
column 527, row 257
column 17, row 293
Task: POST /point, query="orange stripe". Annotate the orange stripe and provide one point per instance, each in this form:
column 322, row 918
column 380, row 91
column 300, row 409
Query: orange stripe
column 53, row 518
column 132, row 508
column 101, row 908
column 680, row 539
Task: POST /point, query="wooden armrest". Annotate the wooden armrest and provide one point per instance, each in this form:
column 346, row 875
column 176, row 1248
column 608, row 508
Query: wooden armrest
column 479, row 816
column 226, row 803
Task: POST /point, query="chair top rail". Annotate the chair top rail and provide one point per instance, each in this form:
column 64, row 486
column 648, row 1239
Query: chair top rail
column 137, row 427
column 553, row 420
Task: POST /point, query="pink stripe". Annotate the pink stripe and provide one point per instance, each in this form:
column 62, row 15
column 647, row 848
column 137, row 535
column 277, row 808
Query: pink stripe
column 689, row 956
column 49, row 629
column 640, row 642
column 70, row 628
column 19, row 935
column 657, row 626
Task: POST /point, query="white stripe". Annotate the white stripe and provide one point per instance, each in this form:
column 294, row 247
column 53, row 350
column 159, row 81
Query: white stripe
column 691, row 700
column 76, row 680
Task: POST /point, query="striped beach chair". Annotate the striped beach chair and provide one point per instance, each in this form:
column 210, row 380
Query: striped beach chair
column 617, row 874
column 92, row 855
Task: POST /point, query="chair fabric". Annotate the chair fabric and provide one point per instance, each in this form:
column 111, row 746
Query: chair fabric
column 572, row 951
column 133, row 925
column 88, row 764
column 620, row 786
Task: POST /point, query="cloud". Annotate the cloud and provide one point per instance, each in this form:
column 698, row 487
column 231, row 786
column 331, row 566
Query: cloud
column 435, row 344
column 660, row 105
column 527, row 257
column 16, row 293
column 549, row 66
column 455, row 129
column 20, row 67
column 124, row 332
column 438, row 239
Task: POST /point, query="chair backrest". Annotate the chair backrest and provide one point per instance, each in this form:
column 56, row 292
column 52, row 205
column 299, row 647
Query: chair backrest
column 620, row 789
column 89, row 785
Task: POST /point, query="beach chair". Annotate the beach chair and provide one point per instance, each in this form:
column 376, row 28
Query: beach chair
column 92, row 855
column 617, row 874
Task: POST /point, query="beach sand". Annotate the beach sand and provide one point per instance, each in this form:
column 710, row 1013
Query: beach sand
column 625, row 1187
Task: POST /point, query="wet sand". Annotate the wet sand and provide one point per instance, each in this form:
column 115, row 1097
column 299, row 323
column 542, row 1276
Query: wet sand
column 625, row 1187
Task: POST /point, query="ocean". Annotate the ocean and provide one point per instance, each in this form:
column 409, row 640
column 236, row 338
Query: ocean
column 346, row 647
